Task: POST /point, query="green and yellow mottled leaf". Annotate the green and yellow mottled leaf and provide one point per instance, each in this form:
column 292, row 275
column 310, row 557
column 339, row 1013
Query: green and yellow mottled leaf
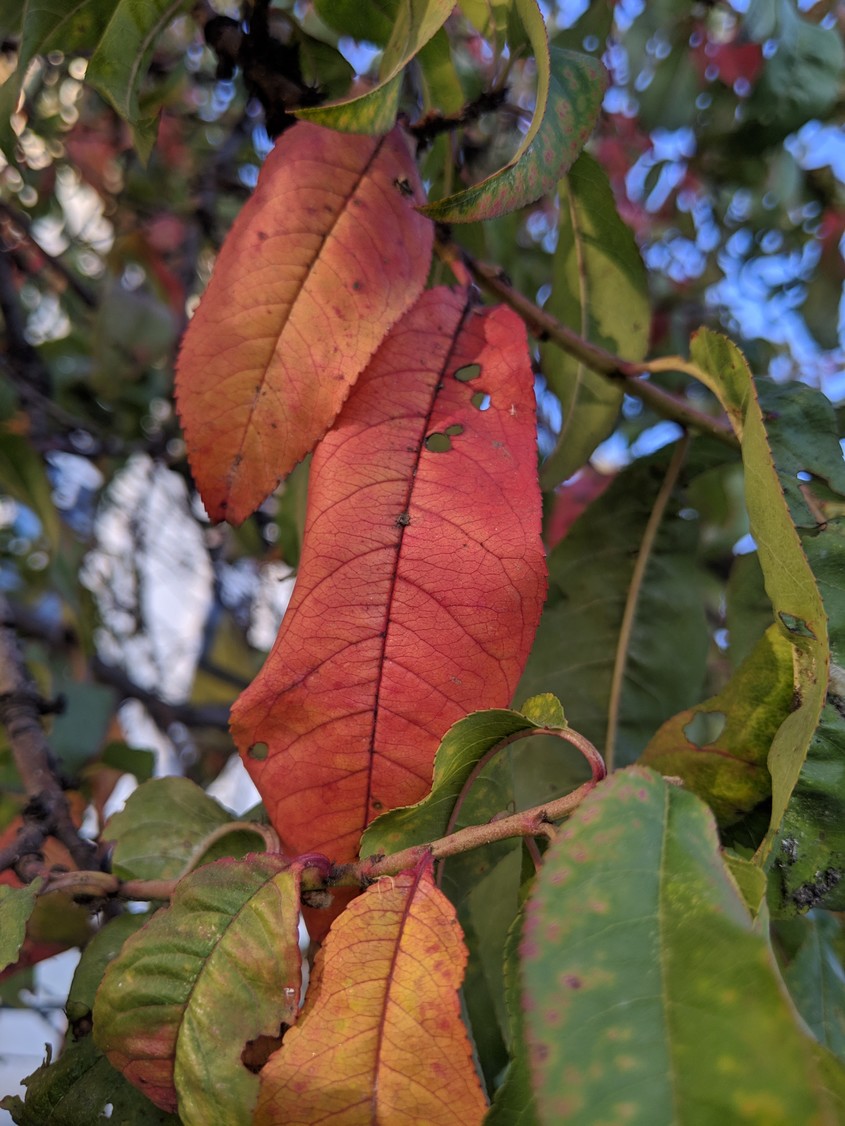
column 720, row 747
column 788, row 577
column 649, row 996
column 212, row 972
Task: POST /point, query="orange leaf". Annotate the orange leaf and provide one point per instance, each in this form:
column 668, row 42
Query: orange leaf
column 323, row 258
column 421, row 581
column 380, row 1038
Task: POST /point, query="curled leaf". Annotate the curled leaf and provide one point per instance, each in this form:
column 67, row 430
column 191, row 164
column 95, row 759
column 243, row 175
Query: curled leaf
column 570, row 88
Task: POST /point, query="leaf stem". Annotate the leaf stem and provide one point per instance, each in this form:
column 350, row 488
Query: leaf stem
column 586, row 748
column 626, row 628
column 546, row 327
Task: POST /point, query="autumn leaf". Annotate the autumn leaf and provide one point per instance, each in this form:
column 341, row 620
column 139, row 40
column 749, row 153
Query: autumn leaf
column 324, row 257
column 421, row 581
column 380, row 1038
column 216, row 969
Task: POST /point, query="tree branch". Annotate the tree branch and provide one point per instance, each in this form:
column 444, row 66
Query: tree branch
column 20, row 713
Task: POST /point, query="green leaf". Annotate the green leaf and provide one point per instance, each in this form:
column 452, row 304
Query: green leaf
column 442, row 89
column 590, row 575
column 815, row 976
column 789, row 580
column 463, row 745
column 545, row 710
column 159, row 830
column 490, row 17
column 599, row 289
column 22, row 476
column 804, row 439
column 369, row 23
column 414, row 25
column 748, row 608
column 725, row 765
column 513, row 1103
column 801, row 80
column 16, row 906
column 649, row 996
column 215, row 970
column 129, row 760
column 570, row 89
column 122, row 57
column 750, row 880
column 80, row 1088
column 102, row 949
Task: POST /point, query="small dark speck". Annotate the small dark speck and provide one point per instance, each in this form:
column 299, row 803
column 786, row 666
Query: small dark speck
column 262, row 235
column 356, row 285
column 403, row 520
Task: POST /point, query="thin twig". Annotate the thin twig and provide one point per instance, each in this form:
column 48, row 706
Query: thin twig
column 21, row 228
column 627, row 625
column 598, row 359
column 36, row 765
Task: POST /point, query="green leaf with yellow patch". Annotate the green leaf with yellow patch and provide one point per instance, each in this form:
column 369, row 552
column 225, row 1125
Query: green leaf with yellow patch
column 649, row 995
column 720, row 747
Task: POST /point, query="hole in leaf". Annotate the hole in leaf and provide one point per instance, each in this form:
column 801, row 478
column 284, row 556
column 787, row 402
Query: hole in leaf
column 258, row 1051
column 438, row 443
column 795, row 625
column 258, row 751
column 705, row 728
column 468, row 372
column 480, row 400
column 454, row 429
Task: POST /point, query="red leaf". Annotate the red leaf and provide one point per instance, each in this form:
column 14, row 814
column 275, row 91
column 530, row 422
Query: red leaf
column 324, row 257
column 421, row 581
column 380, row 1038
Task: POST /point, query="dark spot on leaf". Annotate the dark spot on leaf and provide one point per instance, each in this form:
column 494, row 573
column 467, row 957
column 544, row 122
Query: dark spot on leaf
column 258, row 751
column 403, row 520
column 357, row 285
column 795, row 625
column 402, row 184
column 377, row 805
column 468, row 372
column 438, row 443
column 572, row 981
column 262, row 235
column 813, row 892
